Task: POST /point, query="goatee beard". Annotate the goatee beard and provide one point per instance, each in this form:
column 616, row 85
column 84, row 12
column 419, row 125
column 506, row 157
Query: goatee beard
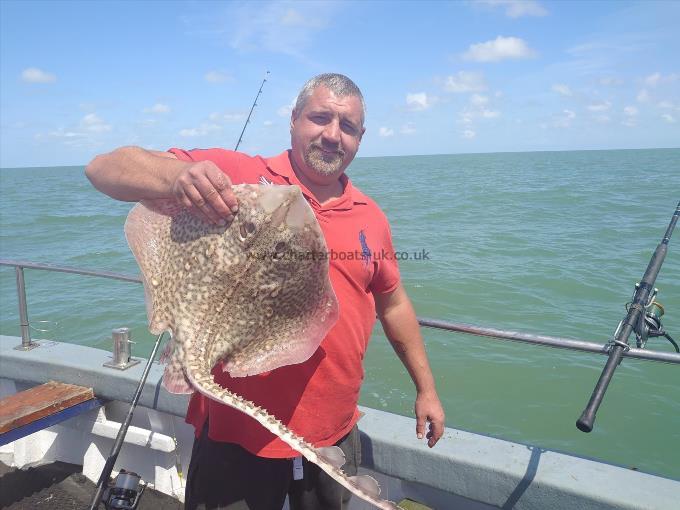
column 322, row 163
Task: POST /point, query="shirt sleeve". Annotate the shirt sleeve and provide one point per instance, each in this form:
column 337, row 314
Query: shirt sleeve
column 386, row 277
column 227, row 161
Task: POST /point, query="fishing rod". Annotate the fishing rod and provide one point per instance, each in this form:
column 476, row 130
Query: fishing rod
column 643, row 317
column 251, row 111
column 124, row 493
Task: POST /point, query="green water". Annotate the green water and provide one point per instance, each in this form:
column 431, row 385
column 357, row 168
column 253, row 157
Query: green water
column 546, row 243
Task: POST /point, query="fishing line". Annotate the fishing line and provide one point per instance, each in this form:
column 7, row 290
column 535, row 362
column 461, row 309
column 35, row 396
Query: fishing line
column 56, row 326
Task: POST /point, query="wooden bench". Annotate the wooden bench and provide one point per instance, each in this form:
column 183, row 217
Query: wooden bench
column 42, row 406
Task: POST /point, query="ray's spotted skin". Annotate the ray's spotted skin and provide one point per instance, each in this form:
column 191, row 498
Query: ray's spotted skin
column 254, row 294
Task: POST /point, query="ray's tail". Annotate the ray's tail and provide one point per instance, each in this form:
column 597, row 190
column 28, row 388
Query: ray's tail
column 329, row 458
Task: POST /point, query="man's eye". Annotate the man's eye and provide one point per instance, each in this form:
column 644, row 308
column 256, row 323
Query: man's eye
column 349, row 129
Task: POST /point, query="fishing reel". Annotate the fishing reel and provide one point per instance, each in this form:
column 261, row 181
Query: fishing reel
column 125, row 493
column 649, row 325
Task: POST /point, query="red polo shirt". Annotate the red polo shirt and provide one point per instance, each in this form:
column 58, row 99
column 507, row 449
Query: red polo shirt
column 317, row 399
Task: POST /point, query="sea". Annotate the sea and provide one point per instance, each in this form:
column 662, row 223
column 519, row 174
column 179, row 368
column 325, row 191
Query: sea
column 542, row 242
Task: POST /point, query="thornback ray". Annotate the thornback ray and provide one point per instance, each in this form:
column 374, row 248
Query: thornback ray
column 254, row 294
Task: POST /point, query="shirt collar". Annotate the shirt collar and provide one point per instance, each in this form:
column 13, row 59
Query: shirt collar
column 280, row 165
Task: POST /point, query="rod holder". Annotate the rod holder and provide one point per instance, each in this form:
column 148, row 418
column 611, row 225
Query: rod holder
column 121, row 350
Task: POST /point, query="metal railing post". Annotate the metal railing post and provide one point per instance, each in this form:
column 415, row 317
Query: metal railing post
column 26, row 343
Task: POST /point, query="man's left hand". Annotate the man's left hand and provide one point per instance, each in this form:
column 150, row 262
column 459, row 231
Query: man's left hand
column 429, row 409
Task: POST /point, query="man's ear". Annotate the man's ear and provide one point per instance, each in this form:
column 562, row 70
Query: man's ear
column 292, row 120
column 363, row 130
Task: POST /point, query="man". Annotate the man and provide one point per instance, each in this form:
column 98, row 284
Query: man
column 235, row 462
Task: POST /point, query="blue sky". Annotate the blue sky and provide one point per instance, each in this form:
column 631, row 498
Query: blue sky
column 80, row 78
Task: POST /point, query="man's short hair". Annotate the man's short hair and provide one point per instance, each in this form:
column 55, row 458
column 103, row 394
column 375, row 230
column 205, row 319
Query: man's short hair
column 339, row 84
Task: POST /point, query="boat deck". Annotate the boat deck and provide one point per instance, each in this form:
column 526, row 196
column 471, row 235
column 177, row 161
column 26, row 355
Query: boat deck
column 61, row 486
column 466, row 470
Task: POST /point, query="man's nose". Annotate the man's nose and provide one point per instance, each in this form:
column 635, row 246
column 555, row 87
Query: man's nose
column 331, row 132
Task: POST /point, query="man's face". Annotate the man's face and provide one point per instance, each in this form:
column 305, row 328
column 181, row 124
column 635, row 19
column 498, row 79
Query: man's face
column 325, row 135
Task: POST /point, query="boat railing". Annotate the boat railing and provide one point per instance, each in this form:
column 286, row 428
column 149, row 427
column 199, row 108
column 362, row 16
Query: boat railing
column 501, row 334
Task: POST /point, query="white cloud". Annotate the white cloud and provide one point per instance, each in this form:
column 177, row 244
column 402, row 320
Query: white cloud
column 666, row 105
column 610, row 81
column 216, row 76
column 630, row 116
column 465, row 81
column 408, row 129
column 286, row 110
column 293, row 18
column 91, row 122
column 668, row 118
column 479, row 100
column 67, row 137
column 501, row 48
column 643, row 96
column 227, row 117
column 466, row 117
column 61, row 133
column 268, row 123
column 147, row 122
column 157, row 108
column 600, row 107
column 478, row 108
column 653, row 79
column 657, row 79
column 602, row 118
column 385, row 132
column 564, row 119
column 280, row 27
column 202, row 130
column 87, row 133
column 469, row 134
column 515, row 8
column 35, row 75
column 562, row 89
column 419, row 101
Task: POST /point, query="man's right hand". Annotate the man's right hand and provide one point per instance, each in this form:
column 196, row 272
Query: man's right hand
column 204, row 190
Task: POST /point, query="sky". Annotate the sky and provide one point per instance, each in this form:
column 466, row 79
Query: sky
column 82, row 78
